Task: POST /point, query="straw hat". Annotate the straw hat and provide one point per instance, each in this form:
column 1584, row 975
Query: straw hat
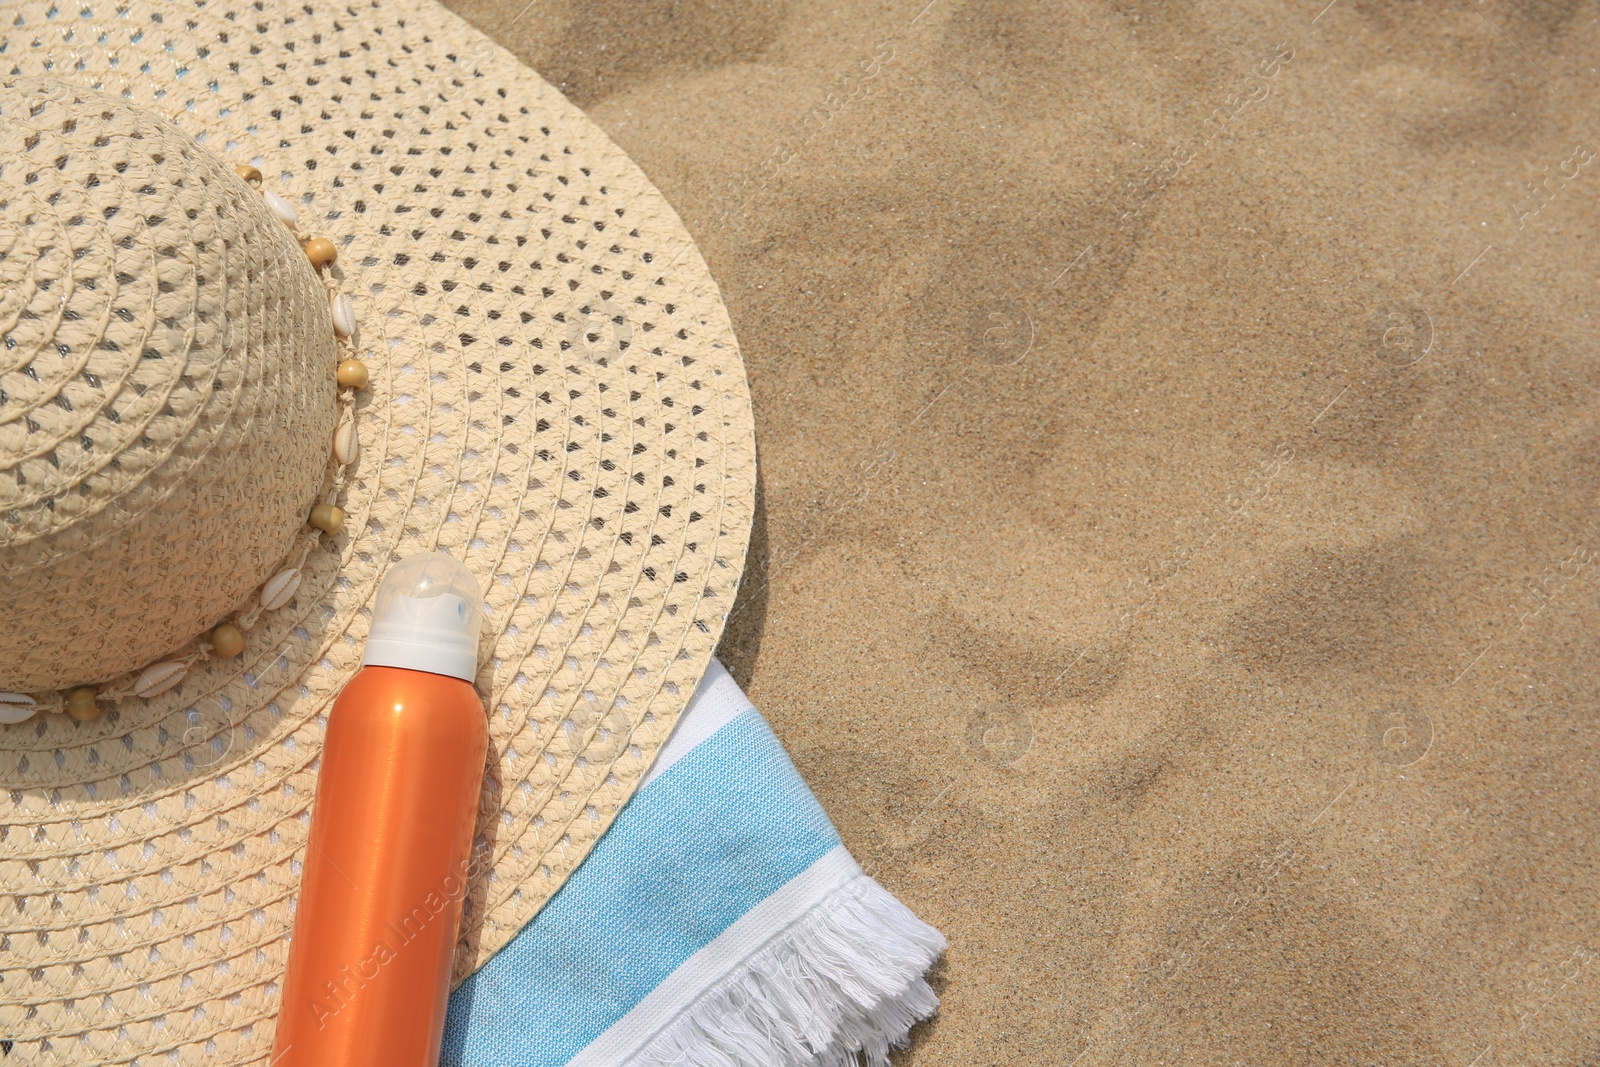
column 205, row 208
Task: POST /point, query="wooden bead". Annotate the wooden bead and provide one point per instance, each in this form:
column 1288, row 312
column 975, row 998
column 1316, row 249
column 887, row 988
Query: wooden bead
column 328, row 519
column 249, row 174
column 228, row 640
column 81, row 704
column 353, row 374
column 320, row 251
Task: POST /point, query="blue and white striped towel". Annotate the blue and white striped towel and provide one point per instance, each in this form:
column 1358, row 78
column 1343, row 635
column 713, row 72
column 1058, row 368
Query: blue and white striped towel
column 719, row 922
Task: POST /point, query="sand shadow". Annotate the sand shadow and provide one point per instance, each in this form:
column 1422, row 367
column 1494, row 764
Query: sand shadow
column 741, row 637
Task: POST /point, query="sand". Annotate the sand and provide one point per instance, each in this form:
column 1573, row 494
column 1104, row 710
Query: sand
column 1178, row 570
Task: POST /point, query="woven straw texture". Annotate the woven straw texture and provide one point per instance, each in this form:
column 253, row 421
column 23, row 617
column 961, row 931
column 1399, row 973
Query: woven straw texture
column 161, row 323
column 557, row 399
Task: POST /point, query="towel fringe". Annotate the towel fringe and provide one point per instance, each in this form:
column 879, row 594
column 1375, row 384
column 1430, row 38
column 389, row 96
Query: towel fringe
column 843, row 981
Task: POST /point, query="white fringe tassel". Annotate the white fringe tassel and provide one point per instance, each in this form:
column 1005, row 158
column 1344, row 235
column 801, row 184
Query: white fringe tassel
column 842, row 981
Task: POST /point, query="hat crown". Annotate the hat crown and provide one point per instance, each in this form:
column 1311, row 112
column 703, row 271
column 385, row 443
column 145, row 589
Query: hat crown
column 166, row 386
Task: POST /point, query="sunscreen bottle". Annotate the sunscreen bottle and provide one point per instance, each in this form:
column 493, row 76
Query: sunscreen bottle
column 392, row 826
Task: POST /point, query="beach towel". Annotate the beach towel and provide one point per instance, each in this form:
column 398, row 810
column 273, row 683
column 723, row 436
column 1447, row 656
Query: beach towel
column 719, row 922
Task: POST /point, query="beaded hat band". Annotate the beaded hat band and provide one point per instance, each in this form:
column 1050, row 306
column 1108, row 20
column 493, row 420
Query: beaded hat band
column 216, row 220
column 53, row 120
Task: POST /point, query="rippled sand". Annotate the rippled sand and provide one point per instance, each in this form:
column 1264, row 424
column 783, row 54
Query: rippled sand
column 1179, row 569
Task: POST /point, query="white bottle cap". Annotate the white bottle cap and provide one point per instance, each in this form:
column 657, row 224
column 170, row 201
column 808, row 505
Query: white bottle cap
column 426, row 617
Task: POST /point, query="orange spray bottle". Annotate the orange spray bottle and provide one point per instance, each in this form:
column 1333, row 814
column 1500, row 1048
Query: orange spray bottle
column 392, row 826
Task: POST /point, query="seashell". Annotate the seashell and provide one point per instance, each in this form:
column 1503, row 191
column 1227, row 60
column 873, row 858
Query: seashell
column 16, row 707
column 344, row 315
column 280, row 588
column 159, row 677
column 280, row 207
column 346, row 445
